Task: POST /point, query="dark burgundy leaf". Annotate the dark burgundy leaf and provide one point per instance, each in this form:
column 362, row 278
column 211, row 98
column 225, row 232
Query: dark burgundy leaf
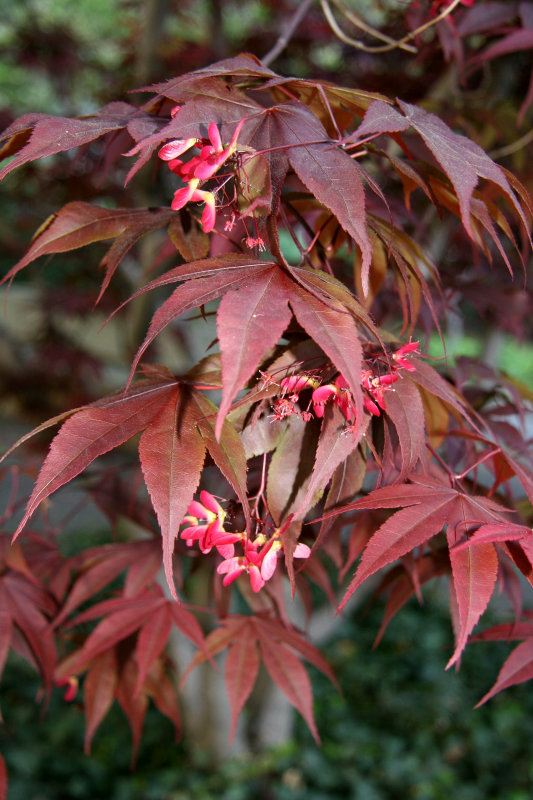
column 116, row 626
column 335, row 444
column 18, row 133
column 495, row 532
column 242, row 666
column 52, row 135
column 43, row 427
column 290, row 676
column 330, row 174
column 401, row 533
column 93, row 432
column 151, row 599
column 327, row 288
column 79, row 224
column 163, row 692
column 405, row 409
column 290, row 467
column 133, row 705
column 188, row 625
column 402, row 589
column 100, row 566
column 27, row 616
column 98, row 692
column 474, row 573
column 516, row 669
column 391, row 497
column 242, row 66
column 484, row 16
column 151, row 640
column 250, row 320
column 211, row 100
column 296, row 640
column 515, row 41
column 216, row 641
column 227, row 451
column 204, row 268
column 191, row 295
column 172, row 454
column 427, row 377
column 505, row 632
column 332, row 327
column 463, row 161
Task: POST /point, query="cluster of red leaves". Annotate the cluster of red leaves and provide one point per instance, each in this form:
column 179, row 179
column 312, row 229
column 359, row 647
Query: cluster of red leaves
column 403, row 489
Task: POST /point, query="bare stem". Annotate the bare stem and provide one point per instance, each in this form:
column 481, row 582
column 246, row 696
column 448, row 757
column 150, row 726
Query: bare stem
column 393, row 44
column 514, row 147
column 357, row 22
column 287, row 32
column 477, row 464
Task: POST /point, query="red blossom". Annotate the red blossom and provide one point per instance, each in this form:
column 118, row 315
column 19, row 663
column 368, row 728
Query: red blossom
column 72, row 684
column 282, row 408
column 297, row 383
column 257, row 242
column 339, row 393
column 191, row 193
column 401, row 356
column 172, row 150
column 260, row 565
column 320, row 397
column 199, row 168
column 210, row 533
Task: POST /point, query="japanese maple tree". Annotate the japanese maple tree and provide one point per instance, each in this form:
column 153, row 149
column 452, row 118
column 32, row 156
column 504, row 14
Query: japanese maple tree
column 318, row 438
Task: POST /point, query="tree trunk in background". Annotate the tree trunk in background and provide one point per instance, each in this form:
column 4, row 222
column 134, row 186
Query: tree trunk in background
column 218, row 39
column 148, row 64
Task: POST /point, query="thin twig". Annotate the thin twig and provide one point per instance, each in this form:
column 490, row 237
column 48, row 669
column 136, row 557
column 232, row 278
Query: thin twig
column 509, row 149
column 357, row 22
column 394, row 44
column 324, row 97
column 286, row 34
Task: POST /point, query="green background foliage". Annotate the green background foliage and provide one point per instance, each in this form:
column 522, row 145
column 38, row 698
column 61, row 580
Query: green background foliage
column 404, row 728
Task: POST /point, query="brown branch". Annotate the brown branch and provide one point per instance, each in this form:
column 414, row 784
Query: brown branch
column 514, row 147
column 357, row 22
column 393, row 44
column 287, row 33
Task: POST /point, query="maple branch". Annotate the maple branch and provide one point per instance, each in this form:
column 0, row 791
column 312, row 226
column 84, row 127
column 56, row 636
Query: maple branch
column 304, row 253
column 443, row 464
column 509, row 149
column 286, row 34
column 401, row 44
column 357, row 22
column 477, row 464
column 288, row 226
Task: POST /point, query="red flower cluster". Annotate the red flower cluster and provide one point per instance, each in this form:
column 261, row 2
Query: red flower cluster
column 209, row 533
column 260, row 556
column 338, row 392
column 199, row 168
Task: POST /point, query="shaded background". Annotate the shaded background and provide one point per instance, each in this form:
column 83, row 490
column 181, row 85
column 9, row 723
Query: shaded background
column 404, row 728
